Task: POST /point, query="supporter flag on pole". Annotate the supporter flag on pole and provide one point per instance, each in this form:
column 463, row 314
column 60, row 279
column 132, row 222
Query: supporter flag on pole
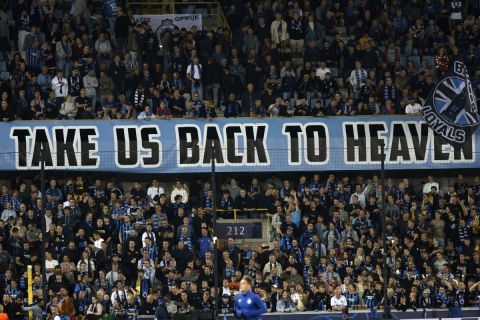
column 451, row 108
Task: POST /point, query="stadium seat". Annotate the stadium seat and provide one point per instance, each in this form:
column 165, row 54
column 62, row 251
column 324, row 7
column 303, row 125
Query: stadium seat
column 334, row 72
column 430, row 60
column 5, row 75
column 202, row 11
column 339, row 82
column 3, row 66
column 415, row 60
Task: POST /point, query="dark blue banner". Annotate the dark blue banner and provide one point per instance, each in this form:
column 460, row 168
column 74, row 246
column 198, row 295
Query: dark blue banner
column 451, row 107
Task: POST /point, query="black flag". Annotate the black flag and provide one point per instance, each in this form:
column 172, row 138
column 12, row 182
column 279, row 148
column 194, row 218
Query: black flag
column 451, row 107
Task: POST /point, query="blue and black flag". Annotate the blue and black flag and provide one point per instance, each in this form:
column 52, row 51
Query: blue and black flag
column 451, row 108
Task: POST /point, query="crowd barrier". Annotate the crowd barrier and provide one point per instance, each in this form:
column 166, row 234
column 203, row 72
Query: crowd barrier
column 241, row 213
column 431, row 314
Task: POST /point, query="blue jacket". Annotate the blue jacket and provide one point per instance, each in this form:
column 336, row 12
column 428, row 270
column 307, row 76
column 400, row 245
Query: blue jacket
column 250, row 306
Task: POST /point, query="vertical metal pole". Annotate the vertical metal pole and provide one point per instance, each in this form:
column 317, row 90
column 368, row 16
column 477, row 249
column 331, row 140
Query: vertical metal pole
column 384, row 227
column 214, row 226
column 44, row 227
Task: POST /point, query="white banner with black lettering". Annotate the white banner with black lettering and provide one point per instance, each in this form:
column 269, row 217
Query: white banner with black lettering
column 160, row 23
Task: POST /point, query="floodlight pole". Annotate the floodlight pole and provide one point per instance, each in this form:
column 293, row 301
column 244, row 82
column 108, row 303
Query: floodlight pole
column 384, row 227
column 44, row 227
column 214, row 235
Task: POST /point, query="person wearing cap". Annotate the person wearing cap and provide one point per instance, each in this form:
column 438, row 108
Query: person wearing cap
column 248, row 305
column 226, row 304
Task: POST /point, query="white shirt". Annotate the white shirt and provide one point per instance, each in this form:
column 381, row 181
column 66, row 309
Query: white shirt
column 8, row 213
column 276, row 220
column 427, row 188
column 413, row 108
column 154, row 191
column 98, row 243
column 321, row 72
column 50, row 264
column 112, row 276
column 152, row 236
column 141, row 263
column 118, row 295
column 270, row 265
column 182, row 191
column 92, row 264
column 145, row 116
column 338, row 303
column 197, row 69
column 60, row 86
column 362, row 196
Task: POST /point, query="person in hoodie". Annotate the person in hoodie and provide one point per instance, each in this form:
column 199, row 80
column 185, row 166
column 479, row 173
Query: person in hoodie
column 179, row 189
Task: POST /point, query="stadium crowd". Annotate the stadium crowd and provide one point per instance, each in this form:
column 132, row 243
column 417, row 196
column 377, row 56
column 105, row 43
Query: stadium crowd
column 148, row 250
column 71, row 60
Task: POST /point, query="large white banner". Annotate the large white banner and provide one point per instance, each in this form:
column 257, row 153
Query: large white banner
column 163, row 22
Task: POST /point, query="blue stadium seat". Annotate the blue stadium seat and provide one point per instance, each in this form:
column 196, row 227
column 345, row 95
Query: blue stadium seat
column 415, row 60
column 3, row 66
column 430, row 60
column 5, row 75
column 403, row 60
column 334, row 72
column 201, row 10
column 339, row 82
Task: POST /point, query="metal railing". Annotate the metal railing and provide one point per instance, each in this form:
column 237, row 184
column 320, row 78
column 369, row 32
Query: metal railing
column 236, row 211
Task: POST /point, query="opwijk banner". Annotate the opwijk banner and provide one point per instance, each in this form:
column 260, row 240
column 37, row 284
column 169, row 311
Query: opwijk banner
column 243, row 145
column 163, row 22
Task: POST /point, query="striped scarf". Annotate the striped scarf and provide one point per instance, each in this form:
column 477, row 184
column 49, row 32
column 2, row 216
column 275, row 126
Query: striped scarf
column 360, row 76
column 390, row 92
column 352, row 298
column 66, row 48
column 130, row 64
column 188, row 242
column 37, row 8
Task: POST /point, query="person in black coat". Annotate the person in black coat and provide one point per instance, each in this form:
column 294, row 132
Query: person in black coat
column 118, row 73
column 6, row 113
column 121, row 27
column 211, row 80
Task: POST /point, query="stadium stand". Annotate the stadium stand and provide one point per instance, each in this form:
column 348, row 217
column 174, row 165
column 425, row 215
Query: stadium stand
column 119, row 249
